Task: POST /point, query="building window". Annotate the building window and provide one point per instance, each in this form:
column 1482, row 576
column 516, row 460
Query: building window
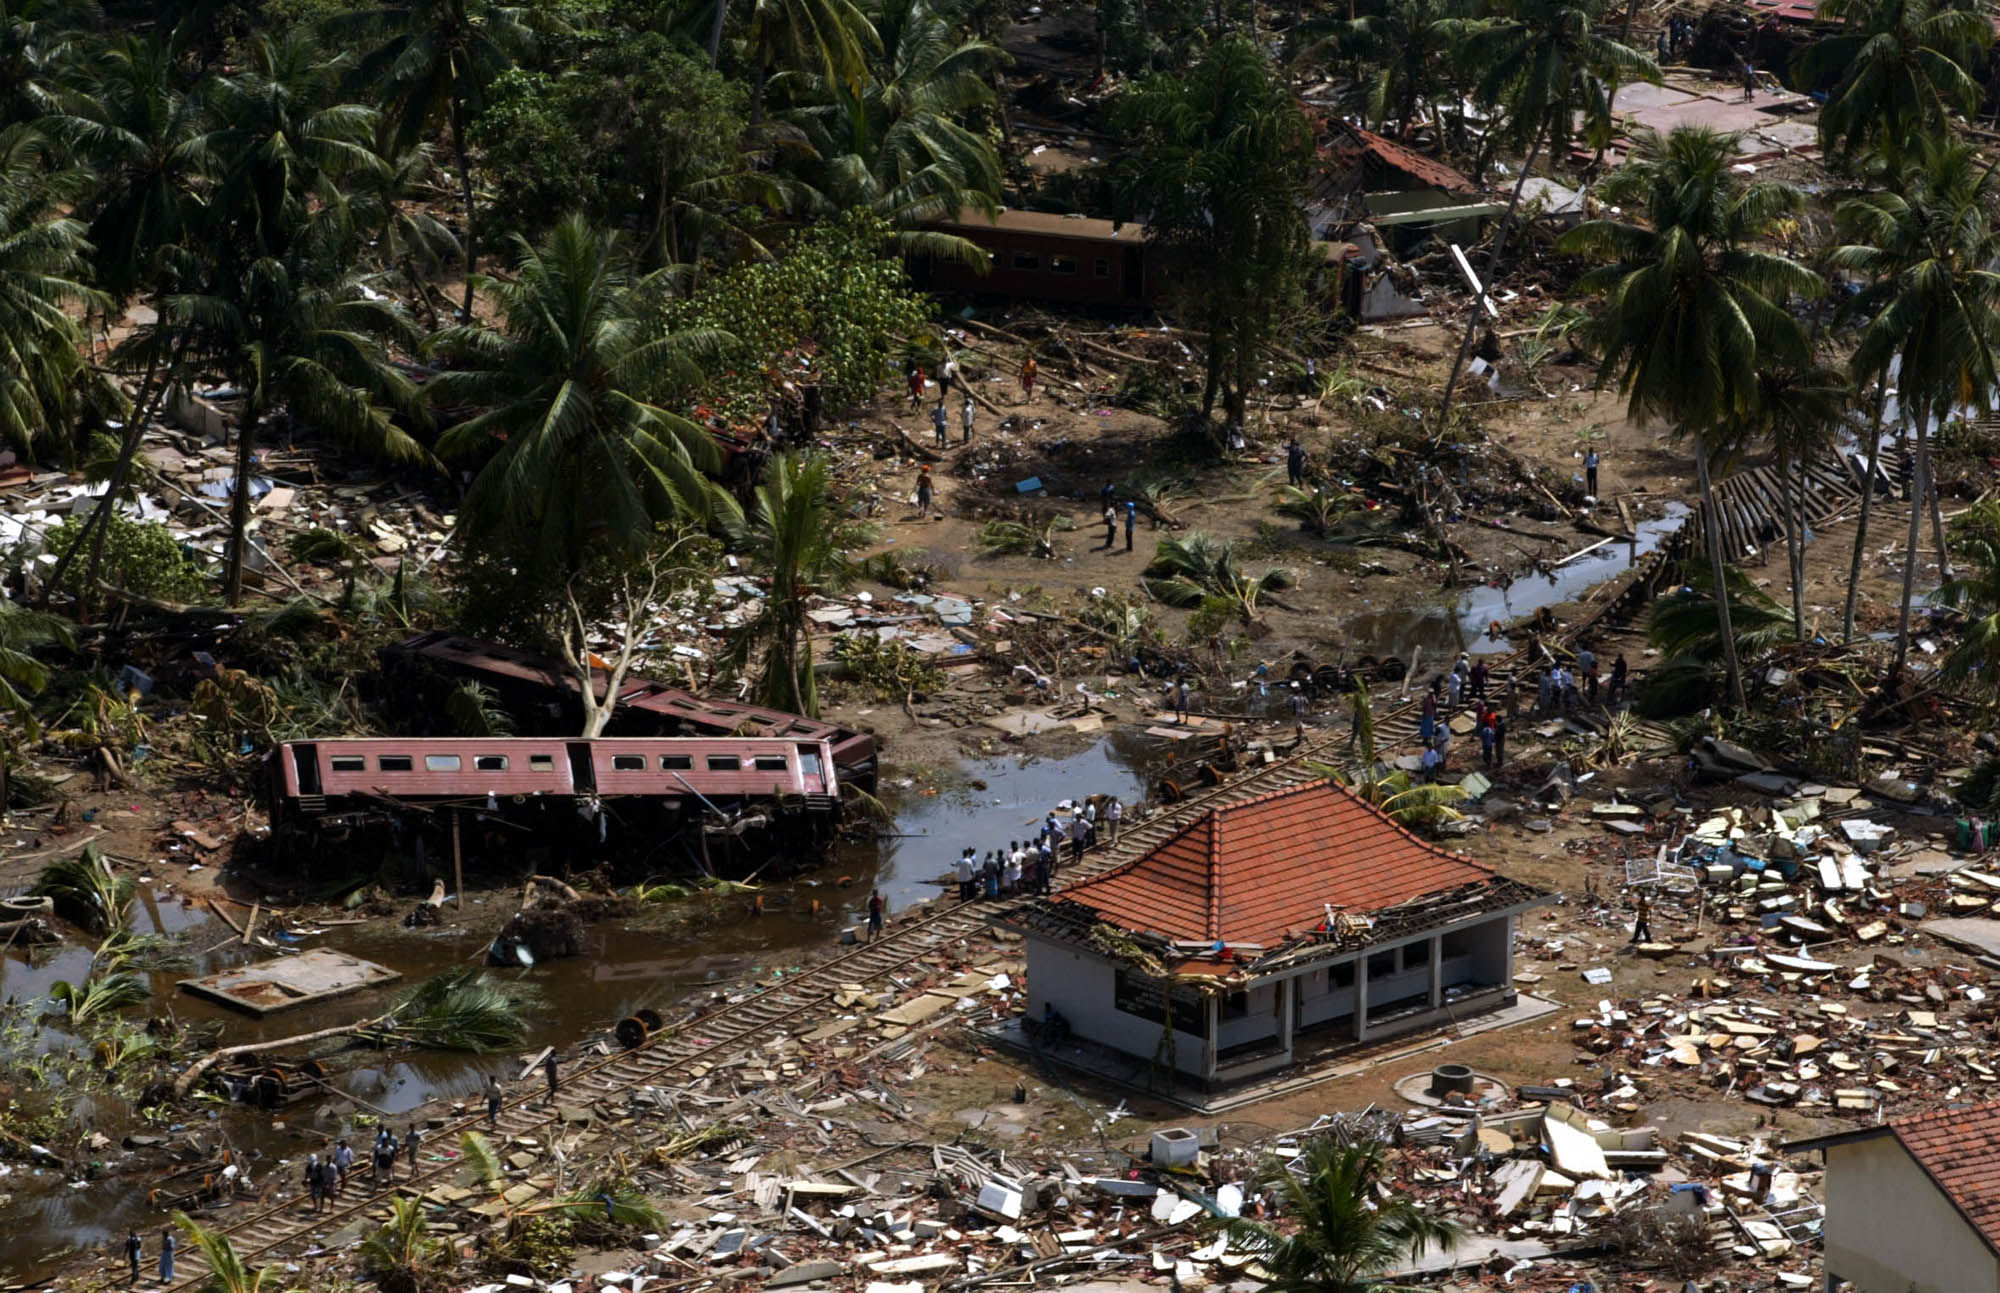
column 392, row 763
column 1146, row 998
column 1341, row 976
column 628, row 763
column 490, row 762
column 1102, row 268
column 724, row 763
column 1027, row 261
column 1062, row 264
column 1236, row 1005
column 1416, row 954
column 349, row 763
column 541, row 763
column 677, row 763
column 1458, row 943
column 1381, row 964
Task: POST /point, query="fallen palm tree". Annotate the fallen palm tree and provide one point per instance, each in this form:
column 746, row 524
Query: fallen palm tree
column 461, row 1010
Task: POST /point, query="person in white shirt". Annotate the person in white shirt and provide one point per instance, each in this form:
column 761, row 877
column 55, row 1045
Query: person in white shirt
column 1114, row 813
column 963, row 871
column 1010, row 881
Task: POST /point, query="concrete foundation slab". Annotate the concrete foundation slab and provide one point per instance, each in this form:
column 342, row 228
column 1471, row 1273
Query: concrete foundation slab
column 292, row 981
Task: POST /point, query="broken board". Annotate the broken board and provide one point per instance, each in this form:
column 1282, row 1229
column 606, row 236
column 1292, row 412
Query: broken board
column 289, row 982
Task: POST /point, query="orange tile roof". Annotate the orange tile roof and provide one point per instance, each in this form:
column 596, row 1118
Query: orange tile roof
column 1256, row 871
column 1959, row 1149
column 1424, row 170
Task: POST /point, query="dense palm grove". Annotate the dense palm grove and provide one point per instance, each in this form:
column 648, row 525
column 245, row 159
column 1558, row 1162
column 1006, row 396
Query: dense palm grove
column 554, row 249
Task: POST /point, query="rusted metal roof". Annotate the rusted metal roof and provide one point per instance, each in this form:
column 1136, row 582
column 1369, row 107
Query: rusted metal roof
column 1359, row 144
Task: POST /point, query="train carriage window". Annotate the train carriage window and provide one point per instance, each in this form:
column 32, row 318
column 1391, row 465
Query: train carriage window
column 541, row 763
column 724, row 763
column 441, row 763
column 628, row 763
column 1027, row 260
column 1102, row 268
column 677, row 763
column 393, row 763
column 1062, row 264
column 490, row 762
column 769, row 763
column 349, row 763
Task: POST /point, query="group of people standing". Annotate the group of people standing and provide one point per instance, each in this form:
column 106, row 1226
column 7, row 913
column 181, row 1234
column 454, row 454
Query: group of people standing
column 1029, row 866
column 324, row 1177
column 1559, row 689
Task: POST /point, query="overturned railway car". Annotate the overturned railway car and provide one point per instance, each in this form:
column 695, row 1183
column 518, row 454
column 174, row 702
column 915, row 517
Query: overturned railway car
column 659, row 801
column 542, row 693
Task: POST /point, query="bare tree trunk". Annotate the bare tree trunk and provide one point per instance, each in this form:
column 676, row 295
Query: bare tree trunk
column 1486, row 283
column 1795, row 522
column 1919, row 487
column 99, row 520
column 239, row 501
column 1711, row 531
column 187, row 1079
column 1867, row 503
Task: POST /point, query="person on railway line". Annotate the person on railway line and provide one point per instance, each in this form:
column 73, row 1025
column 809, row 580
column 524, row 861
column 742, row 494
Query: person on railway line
column 1114, row 814
column 550, row 1067
column 343, row 1162
column 411, row 1139
column 166, row 1254
column 135, row 1248
column 961, row 871
column 315, row 1186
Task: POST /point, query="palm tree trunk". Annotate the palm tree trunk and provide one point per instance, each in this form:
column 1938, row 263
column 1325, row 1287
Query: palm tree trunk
column 715, row 33
column 187, row 1079
column 1486, row 281
column 1936, row 497
column 239, row 501
column 1917, row 491
column 465, row 199
column 1793, row 546
column 1796, row 507
column 1867, row 503
column 1711, row 533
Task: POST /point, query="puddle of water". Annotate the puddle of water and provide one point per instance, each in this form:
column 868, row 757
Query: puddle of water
column 1444, row 631
column 627, row 966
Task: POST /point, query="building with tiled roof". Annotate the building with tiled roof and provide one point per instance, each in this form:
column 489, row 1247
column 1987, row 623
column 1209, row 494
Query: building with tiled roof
column 1289, row 921
column 1913, row 1205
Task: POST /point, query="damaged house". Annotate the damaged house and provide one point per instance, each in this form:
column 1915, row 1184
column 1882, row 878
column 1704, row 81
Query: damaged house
column 1269, row 931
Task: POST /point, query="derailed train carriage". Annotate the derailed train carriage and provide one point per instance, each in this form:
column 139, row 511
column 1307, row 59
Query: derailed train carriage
column 662, row 801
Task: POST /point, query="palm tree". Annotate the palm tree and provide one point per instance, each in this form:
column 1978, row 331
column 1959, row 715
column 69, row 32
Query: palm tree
column 1897, row 69
column 894, row 141
column 1401, row 52
column 1199, row 570
column 798, row 533
column 282, row 145
column 1975, row 661
column 1932, row 305
column 22, row 676
column 142, row 133
column 832, row 38
column 401, row 1253
column 1348, row 1226
column 1797, row 411
column 226, row 1271
column 310, row 345
column 389, row 208
column 431, row 61
column 40, row 47
column 1691, row 312
column 1419, row 805
column 44, row 263
column 574, row 451
column 1547, row 68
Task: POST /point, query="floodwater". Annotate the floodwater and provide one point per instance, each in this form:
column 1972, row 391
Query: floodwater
column 628, row 966
column 1441, row 632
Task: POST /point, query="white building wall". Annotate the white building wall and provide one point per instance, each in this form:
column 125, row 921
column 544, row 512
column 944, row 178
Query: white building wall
column 1083, row 987
column 1889, row 1229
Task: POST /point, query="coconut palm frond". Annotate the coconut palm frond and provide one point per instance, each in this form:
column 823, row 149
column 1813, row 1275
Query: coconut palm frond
column 460, row 1010
column 86, row 891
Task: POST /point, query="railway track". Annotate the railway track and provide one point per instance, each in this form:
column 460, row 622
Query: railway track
column 269, row 1232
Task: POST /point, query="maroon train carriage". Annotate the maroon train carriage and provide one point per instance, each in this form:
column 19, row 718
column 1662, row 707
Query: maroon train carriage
column 646, row 707
column 722, row 775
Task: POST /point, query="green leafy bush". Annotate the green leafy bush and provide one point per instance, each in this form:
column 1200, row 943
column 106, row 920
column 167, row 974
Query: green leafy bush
column 139, row 556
